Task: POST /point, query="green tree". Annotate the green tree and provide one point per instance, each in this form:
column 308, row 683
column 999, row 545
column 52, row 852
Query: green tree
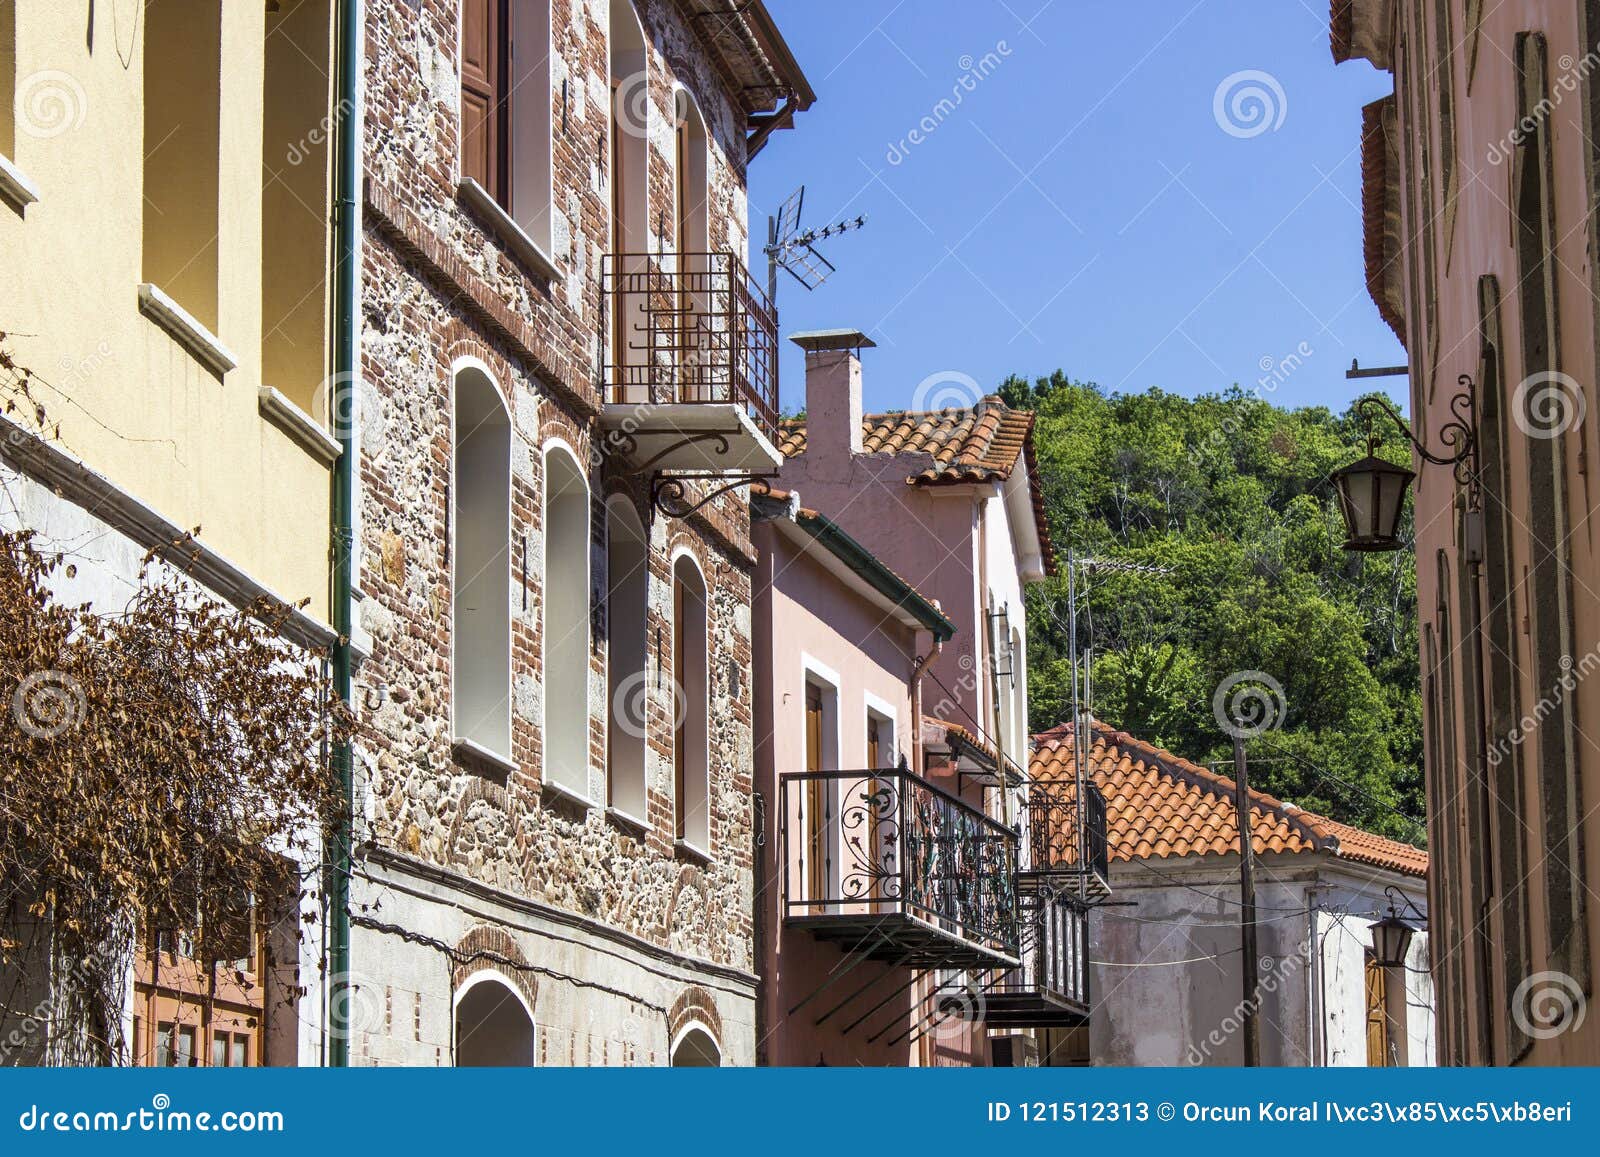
column 1224, row 507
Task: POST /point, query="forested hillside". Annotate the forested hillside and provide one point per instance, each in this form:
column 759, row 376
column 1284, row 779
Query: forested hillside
column 1230, row 496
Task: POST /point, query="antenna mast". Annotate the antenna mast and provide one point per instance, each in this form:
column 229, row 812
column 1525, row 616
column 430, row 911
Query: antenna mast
column 794, row 251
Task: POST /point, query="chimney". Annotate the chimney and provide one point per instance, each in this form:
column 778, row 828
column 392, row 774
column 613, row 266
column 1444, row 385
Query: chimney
column 833, row 390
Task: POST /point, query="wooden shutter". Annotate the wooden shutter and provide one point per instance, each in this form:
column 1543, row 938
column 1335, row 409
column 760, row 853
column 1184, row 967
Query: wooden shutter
column 816, row 869
column 485, row 47
column 1377, row 1014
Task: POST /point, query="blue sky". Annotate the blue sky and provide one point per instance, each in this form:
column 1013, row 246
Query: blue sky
column 1081, row 206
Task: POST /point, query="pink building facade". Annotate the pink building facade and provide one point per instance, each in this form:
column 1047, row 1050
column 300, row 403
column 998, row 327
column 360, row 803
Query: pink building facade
column 917, row 905
column 1480, row 175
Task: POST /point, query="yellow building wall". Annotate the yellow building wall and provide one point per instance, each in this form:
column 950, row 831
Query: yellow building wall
column 132, row 402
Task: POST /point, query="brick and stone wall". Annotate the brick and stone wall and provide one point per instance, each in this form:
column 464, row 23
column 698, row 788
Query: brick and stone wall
column 436, row 287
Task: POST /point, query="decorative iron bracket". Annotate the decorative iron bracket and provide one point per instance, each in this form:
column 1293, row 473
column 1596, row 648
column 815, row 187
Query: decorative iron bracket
column 1460, row 434
column 669, row 490
column 625, row 443
column 669, row 493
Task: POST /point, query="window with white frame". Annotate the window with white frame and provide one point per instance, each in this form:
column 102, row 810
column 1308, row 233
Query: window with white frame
column 627, row 673
column 565, row 629
column 691, row 671
column 480, row 519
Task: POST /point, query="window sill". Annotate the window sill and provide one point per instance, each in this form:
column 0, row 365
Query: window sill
column 15, row 186
column 684, row 850
column 506, row 230
column 468, row 751
column 566, row 795
column 189, row 333
column 299, row 425
column 629, row 824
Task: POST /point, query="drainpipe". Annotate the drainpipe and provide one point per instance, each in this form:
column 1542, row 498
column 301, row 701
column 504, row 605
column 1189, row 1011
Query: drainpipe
column 918, row 670
column 346, row 228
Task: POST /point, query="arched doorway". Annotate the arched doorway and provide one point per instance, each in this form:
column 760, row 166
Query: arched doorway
column 493, row 1026
column 696, row 1050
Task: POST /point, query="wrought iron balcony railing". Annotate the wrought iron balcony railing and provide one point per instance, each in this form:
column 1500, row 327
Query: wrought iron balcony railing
column 890, row 865
column 1057, row 841
column 683, row 328
column 1051, row 986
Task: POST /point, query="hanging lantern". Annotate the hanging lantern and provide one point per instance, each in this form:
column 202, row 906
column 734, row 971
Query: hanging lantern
column 1372, row 497
column 1391, row 940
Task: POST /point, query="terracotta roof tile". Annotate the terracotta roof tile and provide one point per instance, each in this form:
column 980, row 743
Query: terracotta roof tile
column 1380, row 214
column 1160, row 806
column 1341, row 29
column 980, row 444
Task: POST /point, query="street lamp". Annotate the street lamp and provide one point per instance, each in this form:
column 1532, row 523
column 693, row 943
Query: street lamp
column 1372, row 492
column 1391, row 936
column 1372, row 496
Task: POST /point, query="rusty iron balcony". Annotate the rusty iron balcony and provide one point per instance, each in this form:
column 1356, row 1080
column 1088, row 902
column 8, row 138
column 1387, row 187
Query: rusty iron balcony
column 690, row 365
column 1064, row 842
column 888, row 865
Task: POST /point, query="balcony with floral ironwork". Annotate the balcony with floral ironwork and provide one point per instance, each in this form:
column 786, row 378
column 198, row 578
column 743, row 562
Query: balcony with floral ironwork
column 890, row 866
column 690, row 369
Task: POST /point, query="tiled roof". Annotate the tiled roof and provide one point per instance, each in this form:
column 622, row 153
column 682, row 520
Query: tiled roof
column 1341, row 29
column 1380, row 213
column 982, row 443
column 1161, row 806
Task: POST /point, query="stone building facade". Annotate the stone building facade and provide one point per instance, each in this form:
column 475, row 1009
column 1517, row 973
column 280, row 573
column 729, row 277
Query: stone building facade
column 554, row 830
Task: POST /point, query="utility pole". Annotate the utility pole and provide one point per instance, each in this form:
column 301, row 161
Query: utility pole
column 1247, row 907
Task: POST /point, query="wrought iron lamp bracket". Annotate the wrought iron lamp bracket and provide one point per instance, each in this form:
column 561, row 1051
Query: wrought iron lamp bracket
column 1402, row 905
column 1459, row 434
column 669, row 489
column 669, row 493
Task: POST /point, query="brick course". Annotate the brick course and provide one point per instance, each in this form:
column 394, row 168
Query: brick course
column 436, row 287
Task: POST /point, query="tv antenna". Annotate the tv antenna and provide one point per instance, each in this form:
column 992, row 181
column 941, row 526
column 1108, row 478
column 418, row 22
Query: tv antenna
column 795, row 251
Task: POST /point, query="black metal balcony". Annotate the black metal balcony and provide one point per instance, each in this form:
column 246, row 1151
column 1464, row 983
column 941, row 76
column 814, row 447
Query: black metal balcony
column 890, row 866
column 1051, row 987
column 689, row 329
column 1065, row 841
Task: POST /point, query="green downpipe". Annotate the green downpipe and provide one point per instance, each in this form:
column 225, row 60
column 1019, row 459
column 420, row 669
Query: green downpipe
column 346, row 226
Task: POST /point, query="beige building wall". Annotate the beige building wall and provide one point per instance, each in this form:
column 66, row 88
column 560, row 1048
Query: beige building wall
column 148, row 401
column 1492, row 159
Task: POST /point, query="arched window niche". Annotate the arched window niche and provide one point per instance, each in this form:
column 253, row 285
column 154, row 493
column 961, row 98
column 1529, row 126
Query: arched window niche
column 691, row 673
column 480, row 518
column 565, row 627
column 493, row 1024
column 627, row 667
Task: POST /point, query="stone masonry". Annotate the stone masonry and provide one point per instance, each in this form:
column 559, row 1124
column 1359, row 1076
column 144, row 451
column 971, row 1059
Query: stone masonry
column 460, row 868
